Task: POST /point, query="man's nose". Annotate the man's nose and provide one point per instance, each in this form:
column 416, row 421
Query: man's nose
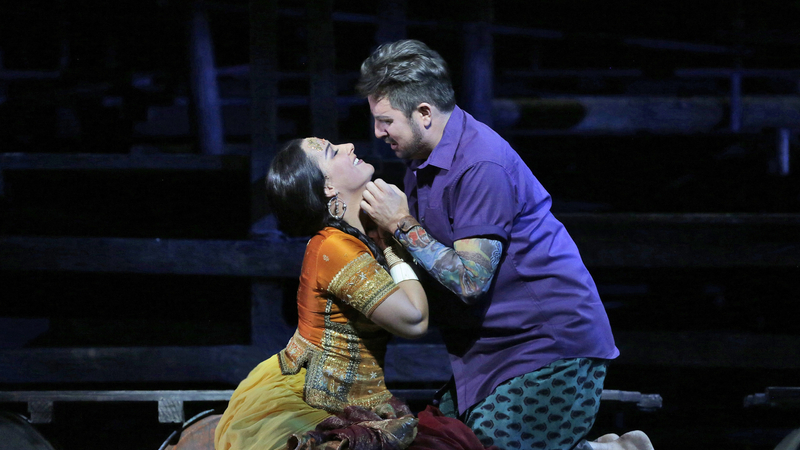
column 379, row 132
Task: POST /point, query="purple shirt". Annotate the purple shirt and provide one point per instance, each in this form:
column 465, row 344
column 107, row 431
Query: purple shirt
column 543, row 304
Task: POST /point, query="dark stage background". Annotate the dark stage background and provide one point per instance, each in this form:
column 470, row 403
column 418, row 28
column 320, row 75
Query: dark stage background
column 137, row 253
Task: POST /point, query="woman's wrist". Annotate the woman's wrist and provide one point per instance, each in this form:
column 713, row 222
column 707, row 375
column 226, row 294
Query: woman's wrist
column 398, row 269
column 402, row 272
column 391, row 257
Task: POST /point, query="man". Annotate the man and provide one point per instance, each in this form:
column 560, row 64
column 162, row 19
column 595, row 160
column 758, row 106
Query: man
column 527, row 334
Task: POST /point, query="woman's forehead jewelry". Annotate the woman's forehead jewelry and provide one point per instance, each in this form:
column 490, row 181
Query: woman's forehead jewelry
column 315, row 144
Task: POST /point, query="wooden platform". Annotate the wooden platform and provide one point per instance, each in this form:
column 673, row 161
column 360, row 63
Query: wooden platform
column 170, row 403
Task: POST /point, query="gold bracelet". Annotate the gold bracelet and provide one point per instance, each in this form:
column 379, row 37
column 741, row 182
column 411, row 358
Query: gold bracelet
column 391, row 258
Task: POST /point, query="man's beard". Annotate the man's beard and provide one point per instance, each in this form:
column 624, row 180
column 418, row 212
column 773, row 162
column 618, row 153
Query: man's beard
column 414, row 147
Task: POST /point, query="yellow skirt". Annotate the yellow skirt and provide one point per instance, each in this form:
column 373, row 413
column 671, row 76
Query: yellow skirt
column 265, row 410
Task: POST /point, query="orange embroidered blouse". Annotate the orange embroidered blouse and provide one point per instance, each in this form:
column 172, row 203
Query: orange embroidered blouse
column 341, row 284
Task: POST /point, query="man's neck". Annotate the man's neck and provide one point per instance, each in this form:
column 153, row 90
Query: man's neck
column 436, row 131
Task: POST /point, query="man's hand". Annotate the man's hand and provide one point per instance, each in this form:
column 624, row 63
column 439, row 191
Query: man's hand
column 385, row 203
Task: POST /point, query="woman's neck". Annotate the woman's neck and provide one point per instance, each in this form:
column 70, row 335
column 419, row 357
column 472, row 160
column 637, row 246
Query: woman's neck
column 353, row 213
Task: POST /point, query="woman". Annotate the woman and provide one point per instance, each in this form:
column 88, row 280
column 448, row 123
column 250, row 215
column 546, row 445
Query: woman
column 351, row 296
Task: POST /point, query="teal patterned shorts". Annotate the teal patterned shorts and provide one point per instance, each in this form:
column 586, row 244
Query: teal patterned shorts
column 551, row 408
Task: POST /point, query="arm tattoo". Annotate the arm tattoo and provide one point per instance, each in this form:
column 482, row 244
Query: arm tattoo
column 466, row 270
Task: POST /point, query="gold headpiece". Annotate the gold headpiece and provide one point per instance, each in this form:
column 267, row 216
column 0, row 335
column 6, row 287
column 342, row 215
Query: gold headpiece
column 314, row 143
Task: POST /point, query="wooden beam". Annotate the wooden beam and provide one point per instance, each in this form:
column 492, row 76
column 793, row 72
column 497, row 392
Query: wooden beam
column 203, row 77
column 573, row 73
column 391, row 21
column 556, row 115
column 689, row 72
column 410, row 362
column 723, row 72
column 686, row 240
column 664, row 115
column 170, row 403
column 478, row 59
column 273, row 258
column 115, row 395
column 26, row 75
column 99, row 161
column 215, row 364
column 322, row 69
column 179, row 397
column 404, row 362
column 263, row 78
column 690, row 47
column 225, row 395
column 709, row 349
column 220, row 364
column 605, row 240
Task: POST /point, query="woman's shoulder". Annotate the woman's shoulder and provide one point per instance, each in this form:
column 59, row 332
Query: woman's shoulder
column 334, row 239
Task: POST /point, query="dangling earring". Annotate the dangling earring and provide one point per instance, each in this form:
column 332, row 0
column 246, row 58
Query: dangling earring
column 336, row 207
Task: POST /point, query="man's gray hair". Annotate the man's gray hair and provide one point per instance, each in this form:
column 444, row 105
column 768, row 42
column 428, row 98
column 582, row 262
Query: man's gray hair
column 407, row 73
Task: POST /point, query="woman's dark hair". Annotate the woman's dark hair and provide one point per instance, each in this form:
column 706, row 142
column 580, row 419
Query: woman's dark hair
column 296, row 194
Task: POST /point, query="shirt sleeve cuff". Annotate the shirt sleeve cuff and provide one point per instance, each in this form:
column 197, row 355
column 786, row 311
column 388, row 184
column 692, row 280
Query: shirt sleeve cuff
column 481, row 231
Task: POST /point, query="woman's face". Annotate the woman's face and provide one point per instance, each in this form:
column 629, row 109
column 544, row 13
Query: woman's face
column 344, row 172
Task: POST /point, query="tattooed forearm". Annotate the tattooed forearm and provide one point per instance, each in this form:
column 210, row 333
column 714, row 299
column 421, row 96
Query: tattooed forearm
column 466, row 270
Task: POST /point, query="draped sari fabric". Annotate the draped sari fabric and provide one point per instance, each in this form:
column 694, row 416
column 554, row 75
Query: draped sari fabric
column 326, row 389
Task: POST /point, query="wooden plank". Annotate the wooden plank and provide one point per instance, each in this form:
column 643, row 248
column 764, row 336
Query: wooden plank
column 686, row 240
column 116, row 395
column 404, row 363
column 573, row 73
column 689, row 72
column 661, row 115
column 647, row 400
column 321, row 68
column 225, row 395
column 262, row 74
column 709, row 349
column 255, row 258
column 218, row 364
column 203, row 80
column 268, row 328
column 780, row 396
column 722, row 72
column 96, row 161
column 605, row 240
column 170, row 403
column 478, row 59
column 391, row 21
column 409, row 362
column 214, row 364
column 691, row 47
column 27, row 75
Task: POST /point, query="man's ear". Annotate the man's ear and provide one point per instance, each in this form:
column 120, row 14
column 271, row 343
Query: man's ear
column 425, row 111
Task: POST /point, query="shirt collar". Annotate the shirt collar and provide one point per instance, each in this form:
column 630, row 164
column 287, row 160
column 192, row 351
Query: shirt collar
column 444, row 152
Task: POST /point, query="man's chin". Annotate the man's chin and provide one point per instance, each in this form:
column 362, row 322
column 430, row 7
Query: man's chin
column 399, row 152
